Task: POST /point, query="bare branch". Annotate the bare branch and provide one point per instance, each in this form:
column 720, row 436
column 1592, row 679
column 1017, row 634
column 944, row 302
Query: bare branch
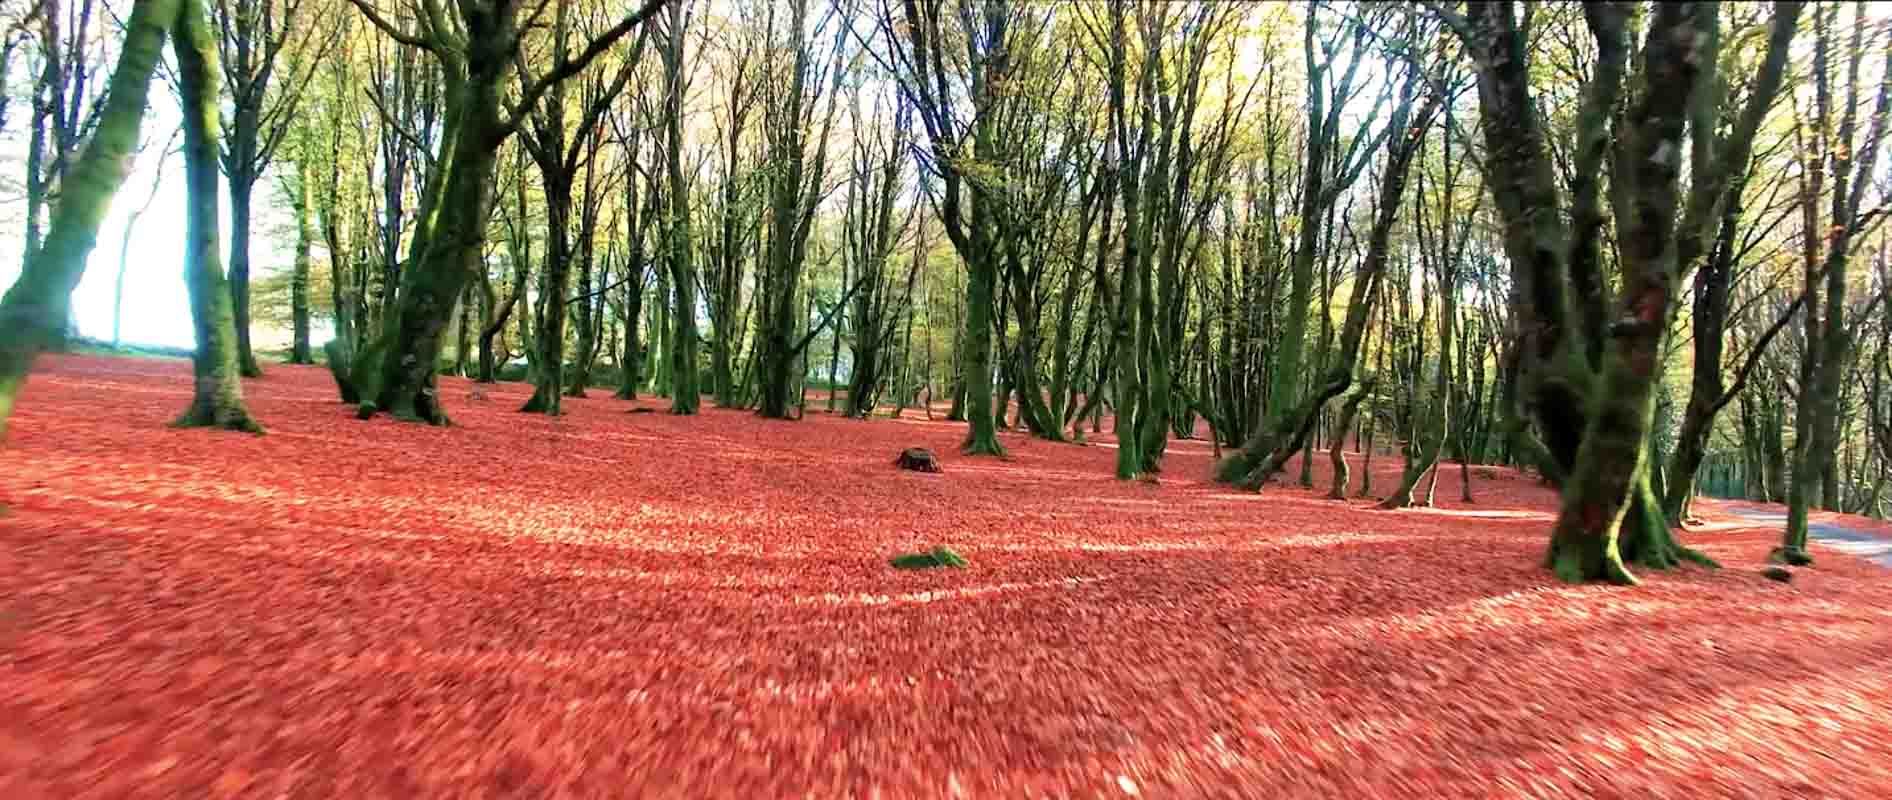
column 394, row 33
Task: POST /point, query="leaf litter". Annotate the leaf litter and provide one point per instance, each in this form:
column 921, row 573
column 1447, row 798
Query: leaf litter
column 607, row 604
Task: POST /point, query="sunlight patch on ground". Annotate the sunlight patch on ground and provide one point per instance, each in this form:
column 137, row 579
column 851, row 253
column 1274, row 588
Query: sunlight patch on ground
column 1146, row 547
column 912, row 420
column 1337, row 539
column 1467, row 513
column 108, row 387
column 1024, row 473
column 1529, row 608
column 1306, row 540
column 865, row 599
column 1126, row 501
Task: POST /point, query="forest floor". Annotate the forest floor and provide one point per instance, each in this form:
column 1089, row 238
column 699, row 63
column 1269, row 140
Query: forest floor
column 615, row 604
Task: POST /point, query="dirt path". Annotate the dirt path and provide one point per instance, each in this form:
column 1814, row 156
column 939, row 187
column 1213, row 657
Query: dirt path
column 1844, row 538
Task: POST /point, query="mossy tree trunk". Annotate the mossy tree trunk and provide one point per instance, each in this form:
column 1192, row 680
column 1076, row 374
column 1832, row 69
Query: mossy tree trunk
column 685, row 393
column 299, row 350
column 981, row 290
column 1609, row 478
column 555, row 285
column 34, row 310
column 1128, row 337
column 217, row 399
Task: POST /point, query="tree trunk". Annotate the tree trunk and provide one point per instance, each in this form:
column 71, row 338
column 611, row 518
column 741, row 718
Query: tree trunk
column 217, row 399
column 834, row 350
column 685, row 395
column 550, row 337
column 463, row 342
column 242, row 190
column 583, row 319
column 299, row 352
column 399, row 364
column 1349, row 405
column 981, row 290
column 633, row 359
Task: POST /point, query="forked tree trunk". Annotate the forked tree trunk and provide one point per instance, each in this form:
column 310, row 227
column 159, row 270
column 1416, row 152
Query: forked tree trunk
column 1349, row 406
column 1610, row 478
column 550, row 388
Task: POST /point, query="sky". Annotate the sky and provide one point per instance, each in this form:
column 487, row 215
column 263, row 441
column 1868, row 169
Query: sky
column 156, row 306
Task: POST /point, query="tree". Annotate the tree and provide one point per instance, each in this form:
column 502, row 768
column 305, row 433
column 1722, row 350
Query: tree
column 1829, row 341
column 1408, row 126
column 793, row 180
column 302, row 203
column 737, row 214
column 685, row 394
column 34, row 310
column 66, row 108
column 255, row 38
column 1445, row 256
column 474, row 46
column 962, row 138
column 560, row 151
column 1328, row 172
column 1596, row 409
column 217, row 397
column 871, row 233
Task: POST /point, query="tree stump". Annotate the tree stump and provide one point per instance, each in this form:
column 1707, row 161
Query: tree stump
column 918, row 459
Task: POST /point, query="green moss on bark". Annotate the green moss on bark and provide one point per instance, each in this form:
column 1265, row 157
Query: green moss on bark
column 217, row 396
